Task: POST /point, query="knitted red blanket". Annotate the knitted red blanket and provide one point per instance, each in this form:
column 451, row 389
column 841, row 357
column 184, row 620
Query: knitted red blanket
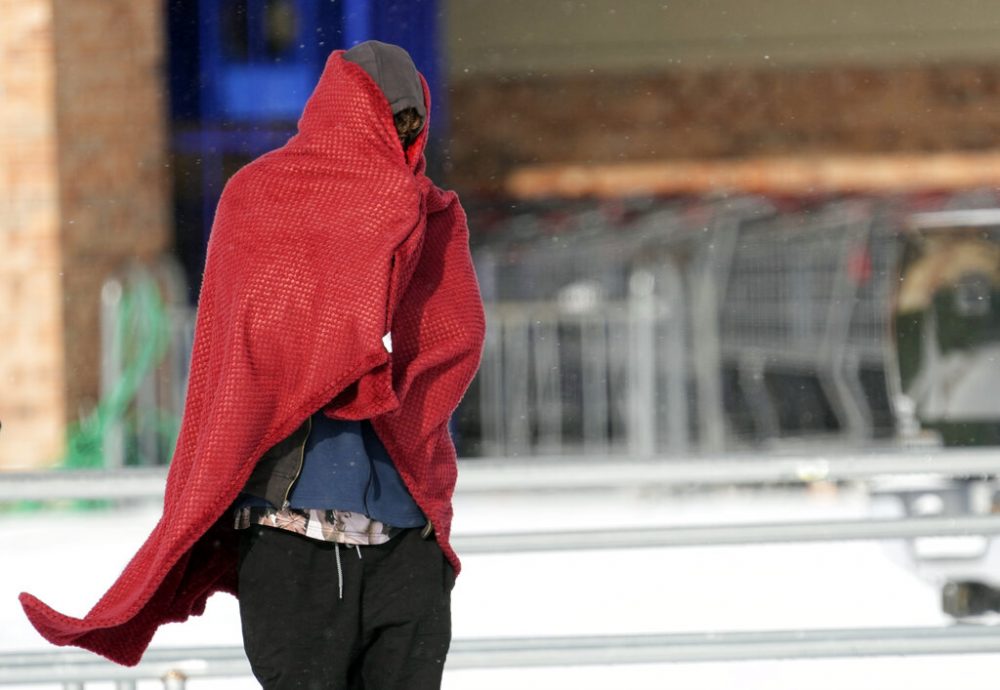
column 318, row 250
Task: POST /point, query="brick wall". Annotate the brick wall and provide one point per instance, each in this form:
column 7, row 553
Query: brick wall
column 114, row 198
column 501, row 122
column 32, row 399
column 82, row 191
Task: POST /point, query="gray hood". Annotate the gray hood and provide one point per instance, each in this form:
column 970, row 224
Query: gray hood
column 393, row 70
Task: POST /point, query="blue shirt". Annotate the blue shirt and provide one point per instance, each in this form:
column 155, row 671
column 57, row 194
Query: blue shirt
column 346, row 467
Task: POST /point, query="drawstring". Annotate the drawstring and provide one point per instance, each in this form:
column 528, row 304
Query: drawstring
column 340, row 572
column 340, row 568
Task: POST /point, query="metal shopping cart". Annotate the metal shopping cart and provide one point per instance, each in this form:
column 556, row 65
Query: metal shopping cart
column 803, row 326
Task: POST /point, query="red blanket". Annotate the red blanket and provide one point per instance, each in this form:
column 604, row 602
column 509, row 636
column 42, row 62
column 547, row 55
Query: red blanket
column 318, row 250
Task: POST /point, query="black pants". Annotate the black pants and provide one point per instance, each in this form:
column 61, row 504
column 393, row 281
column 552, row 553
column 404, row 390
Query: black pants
column 392, row 629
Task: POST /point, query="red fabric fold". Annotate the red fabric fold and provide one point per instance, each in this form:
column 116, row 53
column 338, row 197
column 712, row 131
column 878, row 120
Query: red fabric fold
column 318, row 250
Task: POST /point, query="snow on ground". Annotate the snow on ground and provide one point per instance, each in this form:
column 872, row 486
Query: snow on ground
column 68, row 559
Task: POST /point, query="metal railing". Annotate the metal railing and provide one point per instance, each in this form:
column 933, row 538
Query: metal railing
column 73, row 669
column 571, row 540
column 175, row 666
column 737, row 534
column 570, row 473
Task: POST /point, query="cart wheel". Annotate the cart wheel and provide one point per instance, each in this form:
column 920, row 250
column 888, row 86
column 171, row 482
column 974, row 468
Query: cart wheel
column 962, row 599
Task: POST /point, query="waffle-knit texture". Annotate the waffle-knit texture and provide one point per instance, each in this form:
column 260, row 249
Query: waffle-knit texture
column 318, row 249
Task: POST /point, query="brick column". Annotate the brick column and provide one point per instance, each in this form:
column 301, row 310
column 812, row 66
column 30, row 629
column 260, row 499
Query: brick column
column 111, row 87
column 83, row 191
column 32, row 385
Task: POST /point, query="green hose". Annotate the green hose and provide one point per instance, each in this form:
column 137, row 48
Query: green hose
column 141, row 336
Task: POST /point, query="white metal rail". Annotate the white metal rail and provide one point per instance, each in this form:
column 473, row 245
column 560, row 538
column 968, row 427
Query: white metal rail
column 566, row 473
column 148, row 483
column 174, row 666
column 727, row 534
column 73, row 669
column 722, row 646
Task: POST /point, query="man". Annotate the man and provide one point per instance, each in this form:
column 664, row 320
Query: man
column 338, row 292
column 332, row 483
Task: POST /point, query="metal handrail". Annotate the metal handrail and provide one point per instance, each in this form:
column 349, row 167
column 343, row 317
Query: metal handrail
column 174, row 666
column 572, row 540
column 727, row 534
column 721, row 646
column 566, row 473
column 575, row 473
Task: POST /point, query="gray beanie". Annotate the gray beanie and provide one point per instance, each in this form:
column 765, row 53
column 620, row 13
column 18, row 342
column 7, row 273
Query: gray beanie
column 393, row 70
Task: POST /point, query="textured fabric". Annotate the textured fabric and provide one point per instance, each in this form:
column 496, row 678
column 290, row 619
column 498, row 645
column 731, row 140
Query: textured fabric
column 353, row 529
column 317, row 251
column 390, row 631
column 347, row 468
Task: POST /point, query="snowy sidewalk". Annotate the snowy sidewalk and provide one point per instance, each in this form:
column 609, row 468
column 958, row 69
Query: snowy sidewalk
column 68, row 559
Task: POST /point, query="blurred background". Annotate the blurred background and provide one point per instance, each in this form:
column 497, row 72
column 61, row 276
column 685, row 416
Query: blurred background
column 691, row 221
column 720, row 231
